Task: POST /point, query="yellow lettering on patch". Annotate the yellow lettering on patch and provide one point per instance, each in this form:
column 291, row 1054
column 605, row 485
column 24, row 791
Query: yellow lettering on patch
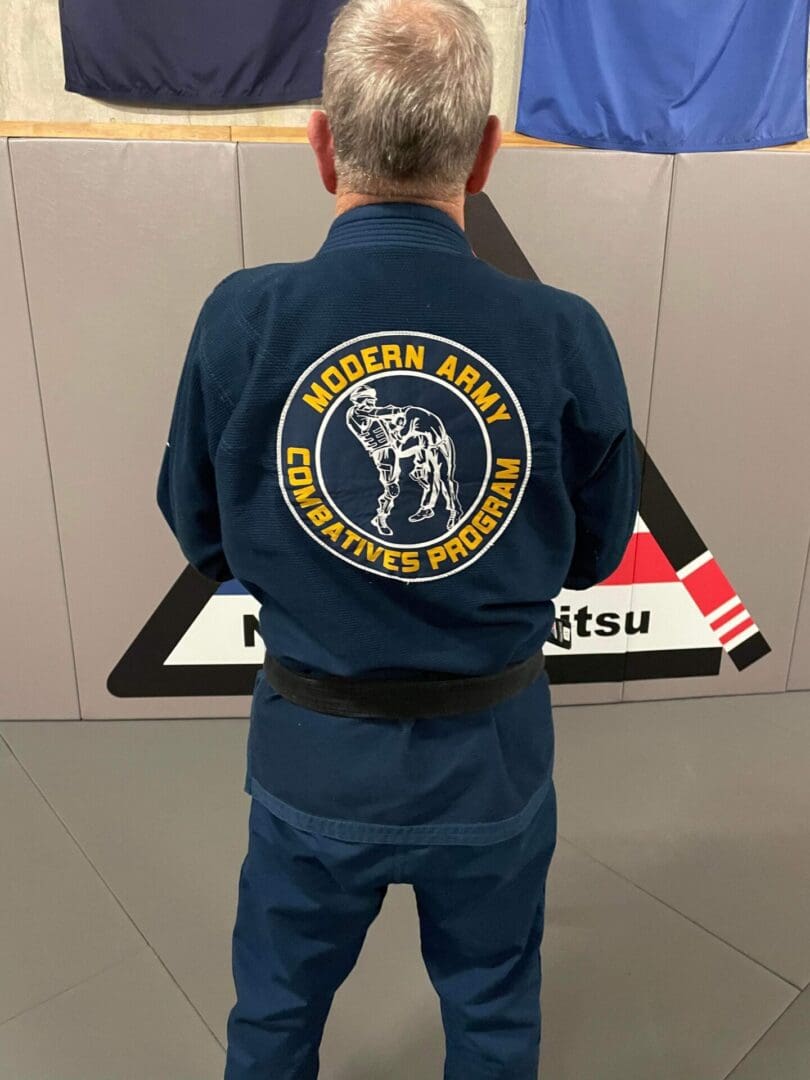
column 320, row 515
column 306, row 497
column 501, row 414
column 373, row 553
column 471, row 537
column 351, row 538
column 391, row 561
column 333, row 531
column 410, row 562
column 415, row 357
column 298, row 451
column 391, row 354
column 484, row 522
column 483, row 398
column 448, row 368
column 352, row 368
column 300, row 479
column 334, row 379
column 509, row 468
column 299, row 475
column 467, row 378
column 436, row 556
column 455, row 549
column 494, row 506
column 318, row 399
column 369, row 355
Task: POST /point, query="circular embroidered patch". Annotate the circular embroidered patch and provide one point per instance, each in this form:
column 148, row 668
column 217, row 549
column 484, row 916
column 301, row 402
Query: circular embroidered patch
column 403, row 454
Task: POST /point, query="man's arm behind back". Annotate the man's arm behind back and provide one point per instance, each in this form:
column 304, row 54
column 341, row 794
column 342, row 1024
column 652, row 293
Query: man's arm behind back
column 601, row 466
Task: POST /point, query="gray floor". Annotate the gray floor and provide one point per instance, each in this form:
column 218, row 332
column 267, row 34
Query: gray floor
column 677, row 938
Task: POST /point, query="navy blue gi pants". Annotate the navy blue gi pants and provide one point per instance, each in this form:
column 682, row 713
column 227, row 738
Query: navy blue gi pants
column 306, row 902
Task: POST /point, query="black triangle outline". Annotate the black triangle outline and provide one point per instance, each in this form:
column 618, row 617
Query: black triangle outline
column 142, row 671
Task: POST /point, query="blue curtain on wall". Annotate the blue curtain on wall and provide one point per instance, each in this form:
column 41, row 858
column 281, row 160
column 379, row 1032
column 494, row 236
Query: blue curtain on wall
column 196, row 53
column 665, row 76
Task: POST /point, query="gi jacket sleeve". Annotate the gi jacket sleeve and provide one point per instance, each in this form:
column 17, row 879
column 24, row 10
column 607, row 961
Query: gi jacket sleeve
column 186, row 492
column 603, row 472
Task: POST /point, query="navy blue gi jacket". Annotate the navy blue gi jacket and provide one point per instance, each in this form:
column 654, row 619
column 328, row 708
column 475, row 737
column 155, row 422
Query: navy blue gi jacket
column 404, row 455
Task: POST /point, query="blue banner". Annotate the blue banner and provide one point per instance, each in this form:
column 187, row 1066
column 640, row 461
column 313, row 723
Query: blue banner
column 665, row 76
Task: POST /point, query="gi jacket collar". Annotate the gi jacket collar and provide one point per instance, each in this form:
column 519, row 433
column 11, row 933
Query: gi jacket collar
column 397, row 225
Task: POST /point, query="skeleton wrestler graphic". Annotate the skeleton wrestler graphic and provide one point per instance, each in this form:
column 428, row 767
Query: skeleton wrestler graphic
column 392, row 433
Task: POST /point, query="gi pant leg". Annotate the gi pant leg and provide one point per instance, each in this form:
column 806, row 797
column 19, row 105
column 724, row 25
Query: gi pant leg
column 481, row 913
column 306, row 902
column 300, row 923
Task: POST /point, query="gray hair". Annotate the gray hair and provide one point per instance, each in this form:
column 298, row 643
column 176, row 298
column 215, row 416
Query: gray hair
column 407, row 89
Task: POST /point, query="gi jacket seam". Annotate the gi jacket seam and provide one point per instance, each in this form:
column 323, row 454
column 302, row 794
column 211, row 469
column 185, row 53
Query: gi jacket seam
column 222, row 394
column 244, row 324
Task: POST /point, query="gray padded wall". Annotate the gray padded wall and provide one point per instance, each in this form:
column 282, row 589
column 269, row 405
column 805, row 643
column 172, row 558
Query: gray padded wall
column 800, row 665
column 728, row 424
column 286, row 211
column 594, row 222
column 121, row 242
column 37, row 678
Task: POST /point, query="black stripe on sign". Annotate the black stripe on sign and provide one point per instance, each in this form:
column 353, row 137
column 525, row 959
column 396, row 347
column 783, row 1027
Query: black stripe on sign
column 673, row 664
column 199, row 680
column 658, row 664
column 141, row 671
column 749, row 651
column 492, row 241
column 664, row 517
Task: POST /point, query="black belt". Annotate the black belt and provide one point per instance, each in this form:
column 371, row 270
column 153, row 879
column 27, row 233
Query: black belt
column 425, row 694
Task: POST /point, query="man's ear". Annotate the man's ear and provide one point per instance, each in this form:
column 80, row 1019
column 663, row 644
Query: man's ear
column 490, row 144
column 320, row 139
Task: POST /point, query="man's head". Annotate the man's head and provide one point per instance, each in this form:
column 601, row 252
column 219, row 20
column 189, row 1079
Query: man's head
column 364, row 397
column 407, row 92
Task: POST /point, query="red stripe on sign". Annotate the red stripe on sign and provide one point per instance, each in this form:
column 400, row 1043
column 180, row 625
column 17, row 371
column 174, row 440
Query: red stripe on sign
column 709, row 587
column 623, row 574
column 644, row 563
column 737, row 630
column 735, row 611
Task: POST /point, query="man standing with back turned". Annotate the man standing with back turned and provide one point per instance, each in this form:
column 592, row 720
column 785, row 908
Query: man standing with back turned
column 401, row 729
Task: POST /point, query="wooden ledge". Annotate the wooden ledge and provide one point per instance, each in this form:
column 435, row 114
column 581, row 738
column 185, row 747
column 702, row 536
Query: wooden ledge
column 257, row 133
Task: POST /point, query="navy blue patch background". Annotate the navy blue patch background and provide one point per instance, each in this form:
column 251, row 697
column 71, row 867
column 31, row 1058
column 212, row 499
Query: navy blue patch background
column 350, row 476
column 353, row 484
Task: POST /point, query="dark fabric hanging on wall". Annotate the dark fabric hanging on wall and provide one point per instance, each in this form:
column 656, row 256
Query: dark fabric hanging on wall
column 665, row 76
column 196, row 53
